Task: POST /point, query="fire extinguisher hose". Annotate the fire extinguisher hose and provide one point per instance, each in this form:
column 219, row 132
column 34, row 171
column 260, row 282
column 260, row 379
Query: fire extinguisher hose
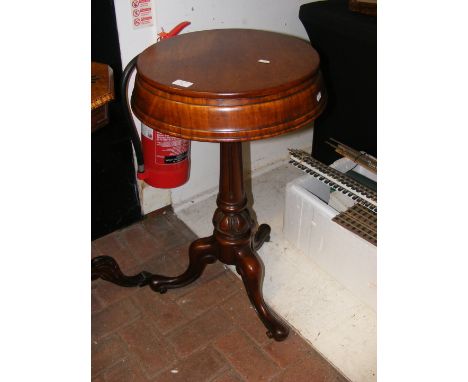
column 134, row 136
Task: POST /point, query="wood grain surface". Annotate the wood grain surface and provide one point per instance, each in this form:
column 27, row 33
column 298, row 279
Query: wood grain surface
column 233, row 96
column 102, row 85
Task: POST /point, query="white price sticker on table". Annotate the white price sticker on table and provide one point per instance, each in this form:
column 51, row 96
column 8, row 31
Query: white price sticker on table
column 184, row 84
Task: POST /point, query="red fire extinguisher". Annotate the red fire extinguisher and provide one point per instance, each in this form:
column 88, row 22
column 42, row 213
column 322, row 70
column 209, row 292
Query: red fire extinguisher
column 163, row 160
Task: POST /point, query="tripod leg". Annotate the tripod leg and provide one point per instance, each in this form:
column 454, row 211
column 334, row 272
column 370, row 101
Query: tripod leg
column 249, row 267
column 262, row 235
column 201, row 252
column 106, row 268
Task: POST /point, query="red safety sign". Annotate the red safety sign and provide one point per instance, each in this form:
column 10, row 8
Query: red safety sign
column 142, row 13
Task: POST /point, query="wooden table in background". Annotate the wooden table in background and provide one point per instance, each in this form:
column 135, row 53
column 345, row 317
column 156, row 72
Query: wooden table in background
column 225, row 86
column 102, row 92
column 366, row 7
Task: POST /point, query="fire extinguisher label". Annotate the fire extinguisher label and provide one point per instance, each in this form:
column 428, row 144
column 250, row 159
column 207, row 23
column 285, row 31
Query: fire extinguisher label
column 170, row 150
column 147, row 131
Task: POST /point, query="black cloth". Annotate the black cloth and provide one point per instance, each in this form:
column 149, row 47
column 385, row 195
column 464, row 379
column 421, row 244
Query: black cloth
column 114, row 195
column 347, row 45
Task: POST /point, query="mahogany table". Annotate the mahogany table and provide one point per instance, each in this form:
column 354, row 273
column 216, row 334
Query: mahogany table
column 225, row 86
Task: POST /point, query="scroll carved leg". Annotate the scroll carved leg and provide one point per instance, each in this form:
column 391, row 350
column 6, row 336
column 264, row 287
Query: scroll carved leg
column 251, row 270
column 231, row 243
column 106, row 268
column 262, row 235
column 201, row 252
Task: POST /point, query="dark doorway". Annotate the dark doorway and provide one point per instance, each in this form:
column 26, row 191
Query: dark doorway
column 114, row 193
column 347, row 44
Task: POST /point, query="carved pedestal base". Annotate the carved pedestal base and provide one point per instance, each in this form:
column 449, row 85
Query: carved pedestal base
column 232, row 243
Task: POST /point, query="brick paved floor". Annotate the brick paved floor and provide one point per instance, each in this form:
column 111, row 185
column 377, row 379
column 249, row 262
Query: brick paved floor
column 206, row 331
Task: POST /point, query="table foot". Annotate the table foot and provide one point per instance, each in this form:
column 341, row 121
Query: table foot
column 251, row 270
column 106, row 268
column 262, row 235
column 201, row 252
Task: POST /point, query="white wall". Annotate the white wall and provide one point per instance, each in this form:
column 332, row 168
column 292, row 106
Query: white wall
column 133, row 42
column 273, row 15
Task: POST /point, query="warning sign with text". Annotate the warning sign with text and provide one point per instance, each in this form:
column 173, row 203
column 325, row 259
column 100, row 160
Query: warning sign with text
column 142, row 13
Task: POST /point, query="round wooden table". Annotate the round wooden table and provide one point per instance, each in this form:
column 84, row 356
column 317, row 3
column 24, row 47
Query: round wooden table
column 225, row 86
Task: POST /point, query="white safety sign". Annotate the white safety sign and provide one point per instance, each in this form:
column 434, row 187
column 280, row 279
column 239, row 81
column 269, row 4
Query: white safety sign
column 142, row 13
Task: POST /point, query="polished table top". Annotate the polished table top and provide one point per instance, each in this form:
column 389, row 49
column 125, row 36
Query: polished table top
column 228, row 85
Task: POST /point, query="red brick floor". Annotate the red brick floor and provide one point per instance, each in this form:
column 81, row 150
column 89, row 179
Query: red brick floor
column 206, row 331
